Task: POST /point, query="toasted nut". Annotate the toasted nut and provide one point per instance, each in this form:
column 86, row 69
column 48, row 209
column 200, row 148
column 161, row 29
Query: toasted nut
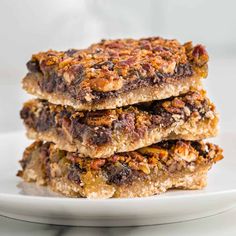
column 185, row 152
column 105, row 120
column 97, row 164
column 144, row 167
column 105, row 85
column 169, row 69
column 153, row 150
column 178, row 103
column 218, row 158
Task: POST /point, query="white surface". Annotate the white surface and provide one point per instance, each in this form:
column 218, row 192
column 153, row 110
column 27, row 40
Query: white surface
column 30, row 203
column 218, row 225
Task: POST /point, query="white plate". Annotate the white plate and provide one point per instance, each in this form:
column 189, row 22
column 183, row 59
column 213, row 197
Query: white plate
column 37, row 204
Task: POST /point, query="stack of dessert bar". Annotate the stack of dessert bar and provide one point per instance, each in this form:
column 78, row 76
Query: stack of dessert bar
column 122, row 118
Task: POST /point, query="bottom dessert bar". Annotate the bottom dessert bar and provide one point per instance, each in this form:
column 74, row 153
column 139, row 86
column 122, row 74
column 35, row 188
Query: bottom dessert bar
column 145, row 172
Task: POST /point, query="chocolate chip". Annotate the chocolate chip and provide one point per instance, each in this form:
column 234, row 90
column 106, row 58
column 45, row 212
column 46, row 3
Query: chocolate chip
column 60, row 85
column 28, row 116
column 51, row 83
column 43, row 122
column 101, row 136
column 74, row 173
column 46, row 120
column 167, row 145
column 78, row 71
column 47, row 84
column 75, row 177
column 117, row 173
column 183, row 70
column 108, row 64
column 33, row 66
column 78, row 129
column 160, row 75
column 200, row 148
column 126, row 122
column 95, row 136
column 70, row 52
column 25, row 112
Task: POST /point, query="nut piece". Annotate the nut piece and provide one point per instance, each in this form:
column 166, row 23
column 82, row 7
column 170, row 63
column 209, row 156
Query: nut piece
column 153, row 150
column 144, row 167
column 185, row 151
column 106, row 85
column 97, row 164
column 104, row 118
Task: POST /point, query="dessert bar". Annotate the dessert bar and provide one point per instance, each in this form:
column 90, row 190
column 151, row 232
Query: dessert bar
column 144, row 172
column 116, row 73
column 102, row 133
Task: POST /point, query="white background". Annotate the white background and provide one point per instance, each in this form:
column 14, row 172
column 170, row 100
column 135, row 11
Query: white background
column 29, row 26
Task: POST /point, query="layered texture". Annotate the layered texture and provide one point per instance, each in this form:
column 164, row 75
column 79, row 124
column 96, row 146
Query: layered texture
column 102, row 133
column 115, row 73
column 122, row 118
column 144, row 172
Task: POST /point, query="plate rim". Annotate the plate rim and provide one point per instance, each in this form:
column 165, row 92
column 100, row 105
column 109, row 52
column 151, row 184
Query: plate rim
column 160, row 197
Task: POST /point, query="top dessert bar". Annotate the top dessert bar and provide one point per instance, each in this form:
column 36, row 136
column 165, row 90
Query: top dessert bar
column 115, row 73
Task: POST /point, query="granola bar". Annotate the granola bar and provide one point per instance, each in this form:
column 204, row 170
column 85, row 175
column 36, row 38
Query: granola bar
column 102, row 133
column 116, row 73
column 144, row 172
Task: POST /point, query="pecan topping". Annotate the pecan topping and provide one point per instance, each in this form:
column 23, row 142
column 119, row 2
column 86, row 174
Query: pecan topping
column 113, row 65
